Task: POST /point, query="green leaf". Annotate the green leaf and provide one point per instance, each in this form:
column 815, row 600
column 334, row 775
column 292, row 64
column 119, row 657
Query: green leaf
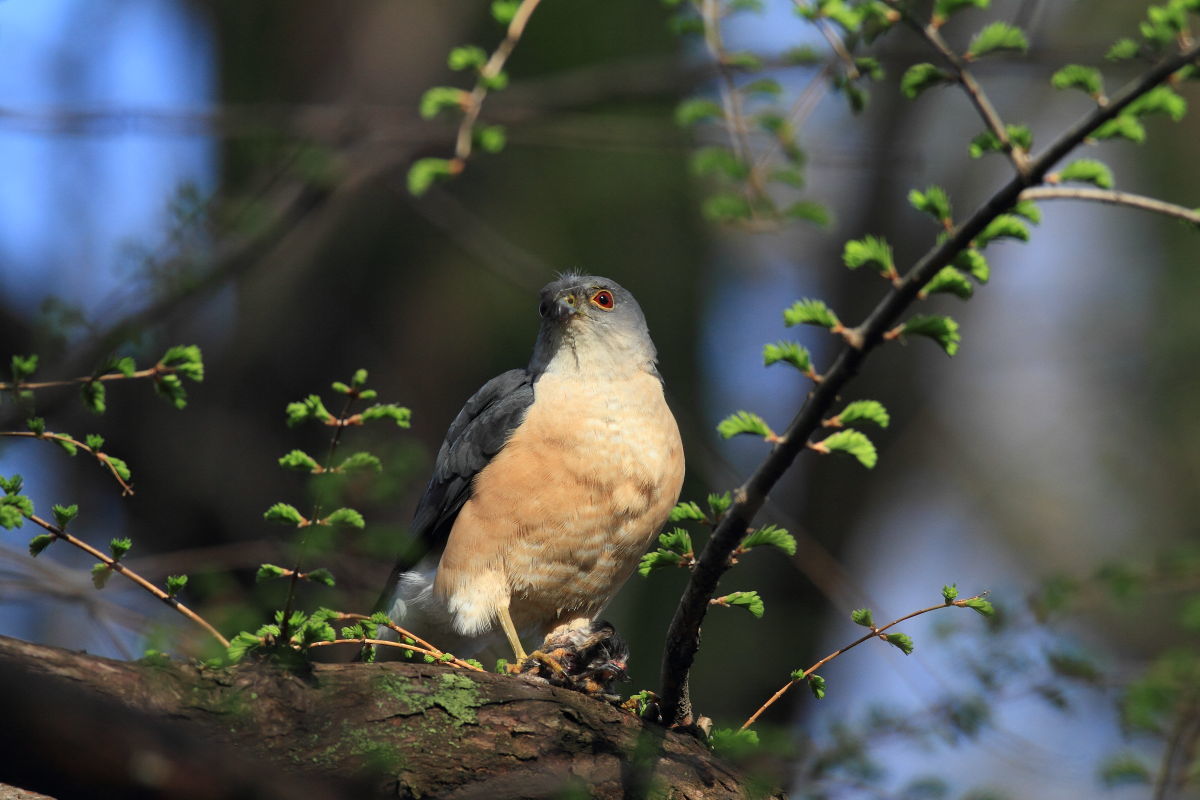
column 242, row 644
column 466, row 57
column 398, row 414
column 747, row 600
column 269, row 571
column 39, row 543
column 808, row 211
column 768, row 87
column 320, row 575
column 902, row 641
column 772, row 536
column 1159, row 100
column 119, row 547
column 950, row 592
column 980, row 605
column 425, row 171
column 299, row 461
column 1124, row 769
column 789, row 353
column 657, row 559
column 36, row 425
column 996, row 37
column 175, row 584
column 950, row 281
column 816, row 685
column 676, row 540
column 854, row 443
column 870, row 251
column 933, row 201
column 23, row 366
column 695, row 110
column 345, row 518
column 919, row 77
column 863, row 617
column 942, row 330
column 1029, row 210
column 94, row 396
column 1123, row 50
column 801, row 56
column 864, row 410
column 1077, row 76
column 118, row 466
column 68, row 446
column 726, row 207
column 360, row 462
column 743, row 60
column 943, row 9
column 94, row 441
column 1087, row 170
column 1123, row 126
column 491, row 138
column 810, row 312
column 734, row 744
column 718, row 504
column 359, row 379
column 439, row 98
column 503, row 11
column 285, row 514
column 972, row 262
column 100, row 574
column 64, row 514
column 1004, row 226
column 988, row 142
column 744, row 422
column 718, row 161
column 310, row 408
column 186, row 360
column 869, row 67
column 686, row 511
column 124, row 365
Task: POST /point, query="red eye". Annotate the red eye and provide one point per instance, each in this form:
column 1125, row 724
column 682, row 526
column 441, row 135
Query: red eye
column 603, row 299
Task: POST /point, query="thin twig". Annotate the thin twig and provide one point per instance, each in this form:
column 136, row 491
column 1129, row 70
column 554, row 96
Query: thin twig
column 295, row 573
column 875, row 633
column 118, row 567
column 979, row 99
column 474, row 102
column 731, row 98
column 683, row 635
column 419, row 645
column 151, row 372
column 100, row 456
column 1112, row 197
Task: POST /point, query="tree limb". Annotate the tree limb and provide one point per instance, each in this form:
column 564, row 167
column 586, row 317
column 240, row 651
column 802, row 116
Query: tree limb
column 394, row 729
column 683, row 636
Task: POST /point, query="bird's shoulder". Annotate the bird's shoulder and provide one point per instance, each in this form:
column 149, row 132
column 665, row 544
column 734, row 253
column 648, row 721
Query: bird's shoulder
column 475, row 436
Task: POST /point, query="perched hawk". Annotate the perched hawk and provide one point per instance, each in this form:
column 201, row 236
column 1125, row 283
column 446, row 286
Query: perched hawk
column 550, row 485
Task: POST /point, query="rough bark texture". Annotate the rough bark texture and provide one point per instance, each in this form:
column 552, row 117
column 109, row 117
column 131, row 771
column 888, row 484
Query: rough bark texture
column 76, row 723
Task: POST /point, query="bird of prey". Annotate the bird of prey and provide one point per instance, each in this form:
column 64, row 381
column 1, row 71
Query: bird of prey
column 551, row 483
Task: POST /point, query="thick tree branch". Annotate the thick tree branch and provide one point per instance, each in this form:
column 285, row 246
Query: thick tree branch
column 394, row 729
column 683, row 636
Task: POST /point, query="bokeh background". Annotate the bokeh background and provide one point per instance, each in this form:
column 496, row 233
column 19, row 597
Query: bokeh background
column 233, row 175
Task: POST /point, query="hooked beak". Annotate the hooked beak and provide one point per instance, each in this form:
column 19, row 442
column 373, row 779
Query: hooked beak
column 562, row 307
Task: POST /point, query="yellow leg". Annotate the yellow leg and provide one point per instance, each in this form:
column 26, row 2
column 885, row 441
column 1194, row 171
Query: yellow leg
column 510, row 631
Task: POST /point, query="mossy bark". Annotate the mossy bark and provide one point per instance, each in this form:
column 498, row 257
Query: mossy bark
column 393, row 729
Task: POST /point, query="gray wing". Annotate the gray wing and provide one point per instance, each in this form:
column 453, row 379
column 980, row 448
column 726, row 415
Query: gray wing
column 475, row 436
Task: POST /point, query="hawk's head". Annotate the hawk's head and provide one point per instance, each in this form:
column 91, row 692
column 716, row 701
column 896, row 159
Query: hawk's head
column 591, row 323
